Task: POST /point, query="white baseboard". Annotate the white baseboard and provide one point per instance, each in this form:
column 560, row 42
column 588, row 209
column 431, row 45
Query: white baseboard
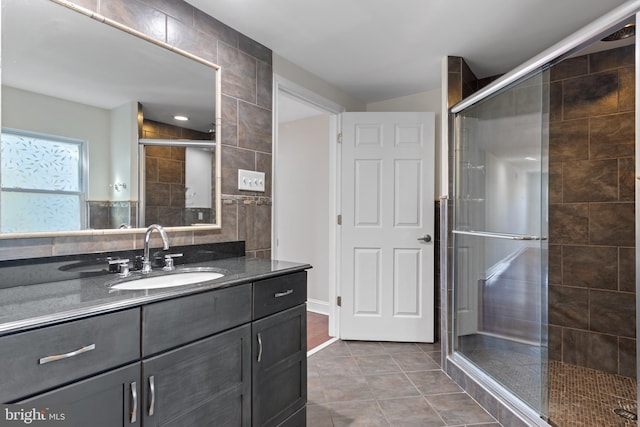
column 317, row 306
column 321, row 346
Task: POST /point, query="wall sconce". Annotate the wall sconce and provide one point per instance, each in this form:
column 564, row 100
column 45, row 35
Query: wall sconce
column 118, row 186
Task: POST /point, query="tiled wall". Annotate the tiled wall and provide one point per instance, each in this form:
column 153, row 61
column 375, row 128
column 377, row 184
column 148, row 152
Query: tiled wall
column 246, row 126
column 165, row 178
column 592, row 212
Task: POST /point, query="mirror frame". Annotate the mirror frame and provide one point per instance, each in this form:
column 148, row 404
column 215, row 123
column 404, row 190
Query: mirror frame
column 218, row 152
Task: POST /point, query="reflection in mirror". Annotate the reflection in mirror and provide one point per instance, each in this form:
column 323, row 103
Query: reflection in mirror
column 78, row 82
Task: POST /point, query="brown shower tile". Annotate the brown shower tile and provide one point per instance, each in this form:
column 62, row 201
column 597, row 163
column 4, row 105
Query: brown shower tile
column 612, row 224
column 612, row 136
column 569, row 223
column 627, row 275
column 590, row 181
column 179, row 10
column 255, row 49
column 570, row 67
column 254, row 127
column 612, row 313
column 555, row 342
column 234, row 159
column 590, row 350
column 158, row 152
column 612, row 58
column 555, row 183
column 454, row 91
column 627, row 179
column 239, row 73
column 569, row 140
column 458, row 408
column 265, row 84
column 229, row 121
column 590, row 266
column 264, row 164
column 627, row 78
column 555, row 101
column 178, row 195
column 568, row 307
column 136, row 15
column 157, row 194
column 591, row 95
column 214, row 28
column 410, row 411
column 555, row 264
column 454, row 64
column 628, row 360
column 170, row 171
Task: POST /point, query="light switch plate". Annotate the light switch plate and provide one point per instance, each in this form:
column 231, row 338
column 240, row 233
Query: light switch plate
column 250, row 180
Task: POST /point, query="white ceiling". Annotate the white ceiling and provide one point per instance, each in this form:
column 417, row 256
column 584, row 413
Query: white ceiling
column 383, row 49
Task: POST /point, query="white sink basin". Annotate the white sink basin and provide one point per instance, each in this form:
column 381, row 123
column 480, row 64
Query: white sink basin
column 168, row 281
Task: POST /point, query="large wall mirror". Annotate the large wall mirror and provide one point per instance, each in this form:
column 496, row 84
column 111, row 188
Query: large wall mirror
column 90, row 139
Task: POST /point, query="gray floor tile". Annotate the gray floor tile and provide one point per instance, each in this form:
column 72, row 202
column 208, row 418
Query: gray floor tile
column 410, row 411
column 344, row 389
column 400, row 347
column 377, row 364
column 362, row 413
column 365, row 348
column 345, row 365
column 387, row 386
column 415, row 361
column 458, row 408
column 318, row 416
column 433, row 382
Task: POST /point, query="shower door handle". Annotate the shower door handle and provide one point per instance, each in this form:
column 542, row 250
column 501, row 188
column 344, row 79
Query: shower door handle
column 426, row 238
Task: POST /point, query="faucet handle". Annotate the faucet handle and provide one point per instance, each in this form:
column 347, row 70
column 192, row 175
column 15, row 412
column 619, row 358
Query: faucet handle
column 168, row 261
column 121, row 266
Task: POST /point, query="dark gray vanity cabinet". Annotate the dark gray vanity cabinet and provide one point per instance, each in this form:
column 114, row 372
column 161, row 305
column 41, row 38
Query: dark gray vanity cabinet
column 206, row 383
column 233, row 356
column 279, row 369
column 107, row 400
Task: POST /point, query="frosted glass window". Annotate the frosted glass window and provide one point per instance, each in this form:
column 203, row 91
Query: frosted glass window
column 42, row 183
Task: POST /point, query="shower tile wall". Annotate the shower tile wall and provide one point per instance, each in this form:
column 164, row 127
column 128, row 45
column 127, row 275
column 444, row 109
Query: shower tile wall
column 592, row 212
column 246, row 126
column 165, row 177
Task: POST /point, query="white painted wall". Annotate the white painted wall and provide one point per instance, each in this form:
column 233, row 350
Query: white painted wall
column 54, row 116
column 302, row 188
column 307, row 80
column 124, row 151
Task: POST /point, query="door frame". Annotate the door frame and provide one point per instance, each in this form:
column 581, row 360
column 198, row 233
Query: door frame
column 282, row 85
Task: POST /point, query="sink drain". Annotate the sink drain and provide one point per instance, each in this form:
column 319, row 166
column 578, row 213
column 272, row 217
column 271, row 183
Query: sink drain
column 624, row 413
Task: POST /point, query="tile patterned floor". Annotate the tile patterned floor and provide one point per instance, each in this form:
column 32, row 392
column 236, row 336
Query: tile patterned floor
column 355, row 383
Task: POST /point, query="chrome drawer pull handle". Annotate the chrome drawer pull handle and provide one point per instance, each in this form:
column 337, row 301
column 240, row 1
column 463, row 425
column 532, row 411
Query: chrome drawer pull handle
column 259, row 347
column 152, row 389
column 84, row 349
column 134, row 402
column 283, row 294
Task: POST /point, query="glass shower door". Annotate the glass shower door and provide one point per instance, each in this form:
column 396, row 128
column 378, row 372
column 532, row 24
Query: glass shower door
column 499, row 237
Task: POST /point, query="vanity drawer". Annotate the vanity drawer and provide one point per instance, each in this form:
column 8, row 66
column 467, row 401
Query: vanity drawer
column 168, row 324
column 279, row 293
column 38, row 360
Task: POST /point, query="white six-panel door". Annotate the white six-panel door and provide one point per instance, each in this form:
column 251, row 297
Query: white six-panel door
column 387, row 200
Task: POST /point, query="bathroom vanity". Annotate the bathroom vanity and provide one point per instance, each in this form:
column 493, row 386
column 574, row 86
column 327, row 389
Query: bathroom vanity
column 227, row 352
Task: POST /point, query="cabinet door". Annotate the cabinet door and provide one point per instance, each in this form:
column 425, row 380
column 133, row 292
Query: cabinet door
column 279, row 366
column 207, row 383
column 107, row 400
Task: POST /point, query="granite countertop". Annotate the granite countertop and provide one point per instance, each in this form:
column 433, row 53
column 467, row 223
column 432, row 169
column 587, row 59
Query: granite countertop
column 36, row 305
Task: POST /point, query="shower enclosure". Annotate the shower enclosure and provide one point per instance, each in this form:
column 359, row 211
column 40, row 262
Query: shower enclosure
column 506, row 314
column 500, row 228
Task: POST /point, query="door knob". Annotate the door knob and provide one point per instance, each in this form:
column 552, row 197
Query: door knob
column 425, row 238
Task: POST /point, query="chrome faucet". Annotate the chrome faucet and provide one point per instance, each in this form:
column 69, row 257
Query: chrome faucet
column 146, row 261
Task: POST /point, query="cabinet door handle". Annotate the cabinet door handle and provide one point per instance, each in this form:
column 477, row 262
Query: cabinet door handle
column 152, row 392
column 134, row 402
column 53, row 358
column 259, row 347
column 283, row 294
